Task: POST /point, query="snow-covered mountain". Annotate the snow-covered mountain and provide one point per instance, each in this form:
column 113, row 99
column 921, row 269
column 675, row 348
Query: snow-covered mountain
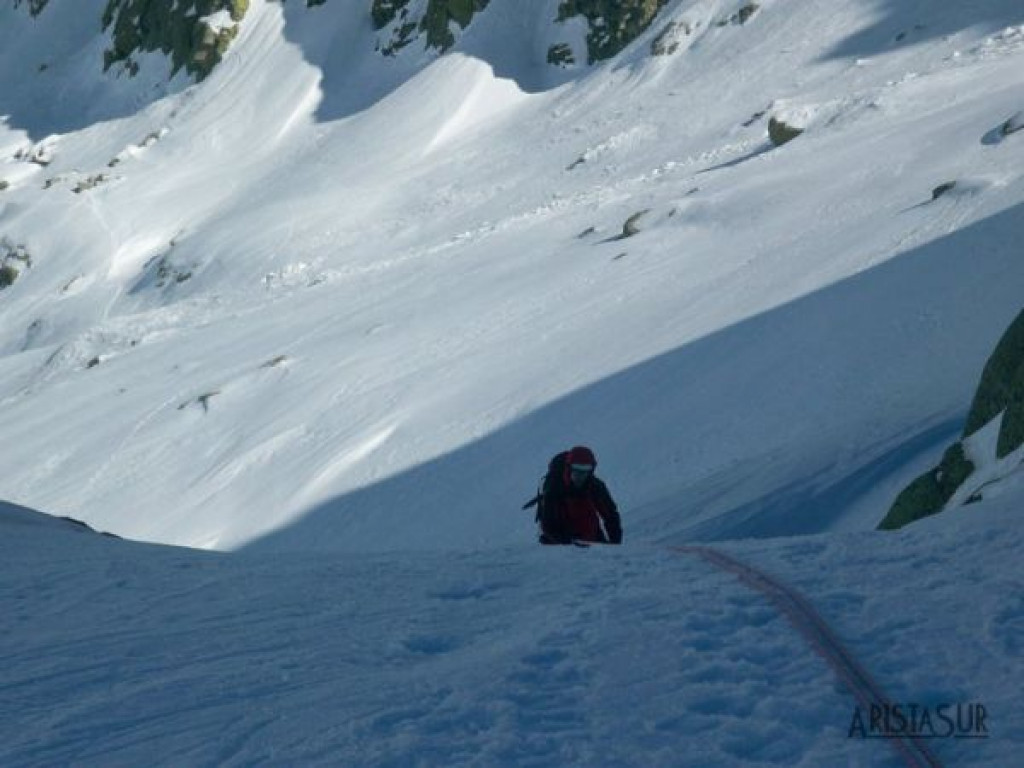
column 293, row 279
column 360, row 298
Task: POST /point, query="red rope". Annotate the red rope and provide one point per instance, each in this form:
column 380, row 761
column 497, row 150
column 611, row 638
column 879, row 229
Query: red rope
column 809, row 623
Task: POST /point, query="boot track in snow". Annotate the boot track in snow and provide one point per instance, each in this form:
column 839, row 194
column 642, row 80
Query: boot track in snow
column 809, row 623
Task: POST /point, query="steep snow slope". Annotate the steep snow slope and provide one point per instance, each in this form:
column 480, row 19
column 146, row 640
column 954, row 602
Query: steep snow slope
column 361, row 301
column 329, row 301
column 125, row 654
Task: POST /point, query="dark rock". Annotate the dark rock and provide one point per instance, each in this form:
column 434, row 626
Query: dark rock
column 176, row 29
column 746, row 12
column 754, row 118
column 90, row 183
column 631, row 226
column 670, row 38
column 560, row 55
column 12, row 258
column 383, row 12
column 1002, row 390
column 613, row 24
column 203, row 401
column 1014, row 124
column 742, row 16
column 8, row 274
column 929, row 493
column 35, row 7
column 41, row 157
column 780, row 133
column 434, row 23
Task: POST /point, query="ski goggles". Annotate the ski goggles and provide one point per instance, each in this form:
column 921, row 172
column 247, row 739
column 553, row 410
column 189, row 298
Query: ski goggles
column 580, row 472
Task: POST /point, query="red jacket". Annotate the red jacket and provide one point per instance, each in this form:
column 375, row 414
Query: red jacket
column 586, row 513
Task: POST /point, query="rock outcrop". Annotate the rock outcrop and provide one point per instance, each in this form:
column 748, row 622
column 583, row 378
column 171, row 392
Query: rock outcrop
column 1002, row 391
column 612, row 24
column 402, row 25
column 195, row 34
column 1000, row 395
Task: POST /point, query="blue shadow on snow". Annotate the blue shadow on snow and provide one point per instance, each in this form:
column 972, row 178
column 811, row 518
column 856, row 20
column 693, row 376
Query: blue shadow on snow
column 946, row 302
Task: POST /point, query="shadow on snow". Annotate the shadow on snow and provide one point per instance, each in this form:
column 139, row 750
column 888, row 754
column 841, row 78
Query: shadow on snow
column 851, row 371
column 61, row 87
column 54, row 97
column 903, row 23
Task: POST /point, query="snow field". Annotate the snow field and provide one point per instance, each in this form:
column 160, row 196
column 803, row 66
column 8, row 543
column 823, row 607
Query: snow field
column 636, row 656
column 335, row 313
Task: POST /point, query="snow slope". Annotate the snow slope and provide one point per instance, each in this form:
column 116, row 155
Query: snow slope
column 329, row 303
column 128, row 654
column 296, row 316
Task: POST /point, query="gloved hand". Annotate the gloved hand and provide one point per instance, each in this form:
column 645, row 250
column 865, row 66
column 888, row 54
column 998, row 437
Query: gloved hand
column 614, row 534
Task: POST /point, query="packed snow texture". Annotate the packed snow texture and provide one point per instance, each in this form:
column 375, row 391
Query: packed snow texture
column 126, row 654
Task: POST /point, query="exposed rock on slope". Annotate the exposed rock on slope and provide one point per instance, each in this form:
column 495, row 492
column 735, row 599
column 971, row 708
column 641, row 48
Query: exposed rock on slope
column 34, row 6
column 404, row 24
column 671, row 37
column 613, row 24
column 194, row 33
column 14, row 259
column 1002, row 391
column 780, row 132
column 929, row 493
column 1000, row 395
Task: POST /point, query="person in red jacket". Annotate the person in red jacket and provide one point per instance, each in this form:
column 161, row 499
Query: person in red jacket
column 574, row 504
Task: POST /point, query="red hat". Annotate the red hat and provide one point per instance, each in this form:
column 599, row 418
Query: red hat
column 580, row 454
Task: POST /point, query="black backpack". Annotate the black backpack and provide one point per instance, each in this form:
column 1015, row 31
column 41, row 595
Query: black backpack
column 556, row 467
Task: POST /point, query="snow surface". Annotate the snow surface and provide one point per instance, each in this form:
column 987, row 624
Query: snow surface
column 126, row 654
column 991, row 475
column 334, row 312
column 416, row 266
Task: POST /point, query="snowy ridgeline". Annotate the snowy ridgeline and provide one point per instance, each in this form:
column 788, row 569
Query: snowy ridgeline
column 126, row 654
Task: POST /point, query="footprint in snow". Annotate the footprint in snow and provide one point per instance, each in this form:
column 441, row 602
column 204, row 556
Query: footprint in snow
column 430, row 645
